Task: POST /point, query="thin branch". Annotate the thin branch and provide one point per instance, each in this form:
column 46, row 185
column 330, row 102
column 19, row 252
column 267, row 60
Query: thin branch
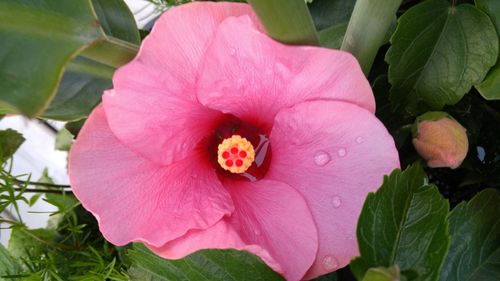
column 9, row 221
column 35, row 183
column 42, row 190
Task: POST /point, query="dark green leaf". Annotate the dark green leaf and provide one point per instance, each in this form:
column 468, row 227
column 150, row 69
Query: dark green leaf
column 492, row 8
column 332, row 37
column 475, row 240
column 85, row 80
column 332, row 276
column 75, row 127
column 403, row 224
column 227, row 265
column 10, row 141
column 438, row 52
column 81, row 88
column 38, row 39
column 331, row 18
column 490, row 87
column 328, row 13
column 116, row 20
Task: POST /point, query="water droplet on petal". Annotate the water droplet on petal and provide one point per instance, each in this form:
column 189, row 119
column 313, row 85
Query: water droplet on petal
column 321, row 158
column 360, row 139
column 349, row 236
column 330, row 263
column 194, row 175
column 336, row 201
column 232, row 51
column 257, row 232
column 342, row 152
column 184, row 145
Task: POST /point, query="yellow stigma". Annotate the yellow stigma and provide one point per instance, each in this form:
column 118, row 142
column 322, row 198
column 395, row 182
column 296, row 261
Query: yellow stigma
column 235, row 154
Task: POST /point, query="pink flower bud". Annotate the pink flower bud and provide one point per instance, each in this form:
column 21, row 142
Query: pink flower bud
column 440, row 140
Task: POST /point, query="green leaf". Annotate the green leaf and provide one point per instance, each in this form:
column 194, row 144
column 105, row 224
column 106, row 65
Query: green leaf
column 287, row 21
column 383, row 274
column 33, row 199
column 227, row 265
column 438, row 52
column 332, row 37
column 10, row 141
column 45, row 177
column 64, row 140
column 490, row 87
column 328, row 13
column 117, row 20
column 25, row 243
column 85, row 80
column 8, row 264
column 492, row 8
column 475, row 239
column 332, row 276
column 38, row 39
column 75, row 127
column 81, row 88
column 403, row 224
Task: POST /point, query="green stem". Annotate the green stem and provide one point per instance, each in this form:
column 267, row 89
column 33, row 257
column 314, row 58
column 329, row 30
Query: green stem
column 287, row 21
column 367, row 29
column 110, row 51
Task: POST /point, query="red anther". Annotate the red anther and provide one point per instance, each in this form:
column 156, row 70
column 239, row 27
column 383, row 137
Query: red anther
column 225, row 155
column 239, row 162
column 243, row 154
column 229, row 163
column 234, row 150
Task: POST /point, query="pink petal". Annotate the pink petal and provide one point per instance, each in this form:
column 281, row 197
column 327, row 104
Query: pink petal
column 273, row 215
column 154, row 106
column 333, row 153
column 253, row 77
column 219, row 236
column 271, row 220
column 136, row 200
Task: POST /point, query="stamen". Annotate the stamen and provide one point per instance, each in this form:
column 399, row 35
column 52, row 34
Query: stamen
column 235, row 154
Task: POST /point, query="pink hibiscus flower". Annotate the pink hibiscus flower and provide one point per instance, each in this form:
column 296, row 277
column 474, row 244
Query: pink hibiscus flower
column 216, row 136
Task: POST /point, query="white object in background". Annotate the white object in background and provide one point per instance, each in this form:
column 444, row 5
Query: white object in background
column 144, row 11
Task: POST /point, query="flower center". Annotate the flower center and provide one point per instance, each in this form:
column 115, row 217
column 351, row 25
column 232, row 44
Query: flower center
column 238, row 149
column 235, row 154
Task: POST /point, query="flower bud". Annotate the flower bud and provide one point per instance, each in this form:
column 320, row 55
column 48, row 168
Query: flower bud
column 440, row 140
